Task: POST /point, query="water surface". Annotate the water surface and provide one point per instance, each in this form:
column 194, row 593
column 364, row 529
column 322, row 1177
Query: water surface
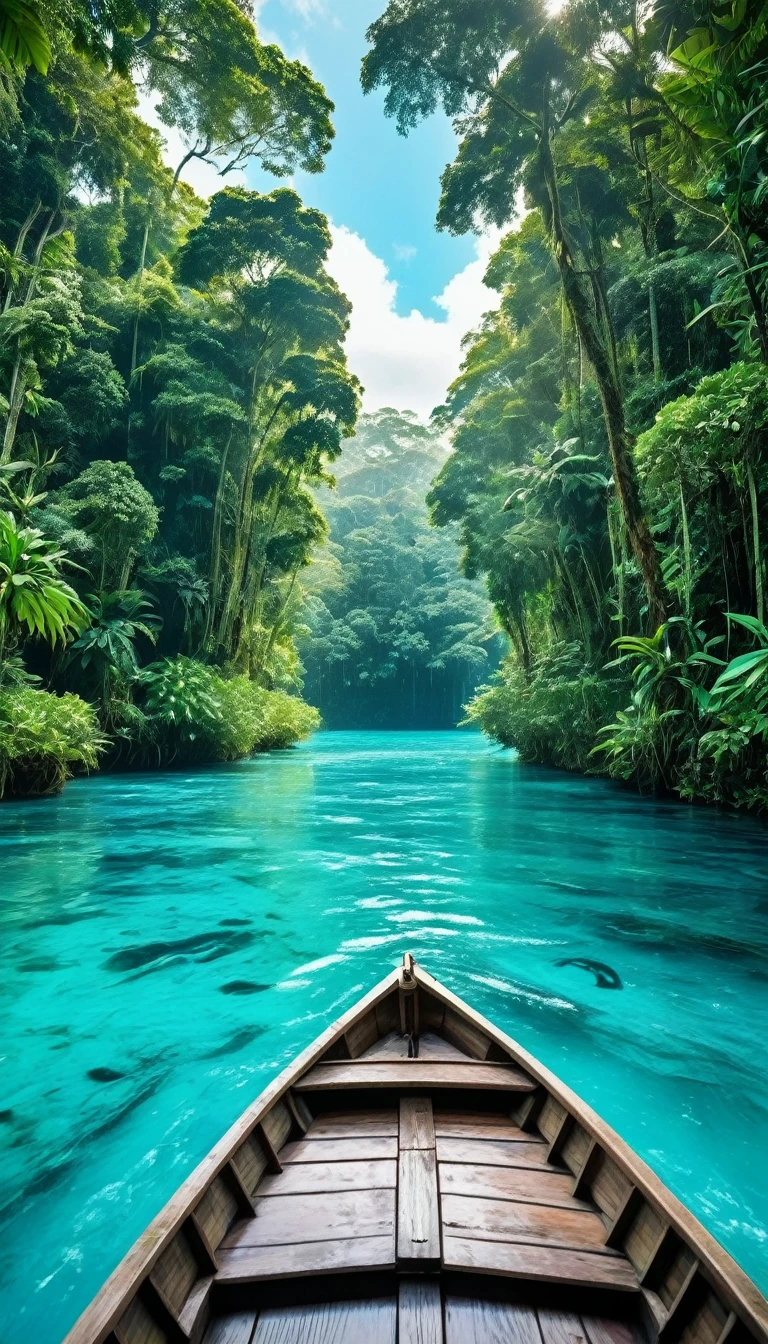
column 167, row 943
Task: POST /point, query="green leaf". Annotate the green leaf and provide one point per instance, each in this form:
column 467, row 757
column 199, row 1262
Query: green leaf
column 23, row 39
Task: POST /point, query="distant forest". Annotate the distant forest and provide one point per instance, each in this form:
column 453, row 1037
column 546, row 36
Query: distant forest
column 397, row 638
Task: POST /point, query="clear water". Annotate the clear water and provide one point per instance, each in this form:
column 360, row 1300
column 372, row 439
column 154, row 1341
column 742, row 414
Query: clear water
column 191, row 931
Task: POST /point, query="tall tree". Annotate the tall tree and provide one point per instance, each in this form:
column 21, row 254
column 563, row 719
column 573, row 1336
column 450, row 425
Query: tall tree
column 515, row 79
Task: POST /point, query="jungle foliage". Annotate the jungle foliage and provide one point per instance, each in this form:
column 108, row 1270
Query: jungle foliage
column 610, row 421
column 396, row 637
column 172, row 388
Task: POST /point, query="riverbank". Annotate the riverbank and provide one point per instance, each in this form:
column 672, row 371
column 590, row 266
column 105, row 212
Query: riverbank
column 189, row 932
column 191, row 716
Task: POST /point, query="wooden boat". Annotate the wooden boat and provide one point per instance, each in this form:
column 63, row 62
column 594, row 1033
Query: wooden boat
column 417, row 1177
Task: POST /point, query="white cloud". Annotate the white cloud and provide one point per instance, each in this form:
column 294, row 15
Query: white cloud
column 404, row 251
column 408, row 361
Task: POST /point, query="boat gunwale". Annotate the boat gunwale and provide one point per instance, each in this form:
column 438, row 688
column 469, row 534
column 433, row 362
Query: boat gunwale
column 104, row 1311
column 718, row 1264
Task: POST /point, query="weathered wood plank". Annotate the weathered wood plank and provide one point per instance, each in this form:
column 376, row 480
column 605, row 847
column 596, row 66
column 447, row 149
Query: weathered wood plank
column 216, row 1211
column 507, row 1220
column 464, row 1034
column 235, row 1328
column 283, row 1219
column 420, row 1312
column 379, row 1124
column 195, row 1314
column 418, row 1225
column 307, row 1178
column 176, row 1271
column 532, row 1184
column 138, row 1326
column 607, row 1330
column 373, row 1321
column 560, row 1327
column 362, row 1035
column 414, row 1073
column 251, row 1264
column 492, row 1152
column 546, row 1264
column 338, row 1150
column 478, row 1125
column 417, row 1125
column 471, row 1320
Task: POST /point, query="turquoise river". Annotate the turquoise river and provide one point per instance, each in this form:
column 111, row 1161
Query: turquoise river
column 168, row 942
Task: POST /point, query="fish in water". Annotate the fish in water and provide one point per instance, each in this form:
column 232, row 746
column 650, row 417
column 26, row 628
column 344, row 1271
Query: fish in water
column 605, row 976
column 243, row 987
column 6, row 1117
column 203, row 946
column 237, row 1042
column 234, row 922
column 105, row 1075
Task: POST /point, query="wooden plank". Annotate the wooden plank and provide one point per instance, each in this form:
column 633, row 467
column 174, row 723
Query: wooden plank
column 203, row 1250
column 583, row 1181
column 478, row 1125
column 299, row 1112
column 471, row 1320
column 273, row 1161
column 277, row 1125
column 547, row 1264
column 374, row 1321
column 362, row 1035
column 416, row 1073
column 196, row 1311
column 531, row 1184
column 235, row 1328
column 530, row 1110
column 492, row 1152
column 420, row 1312
column 307, row 1178
column 464, row 1034
column 560, row 1327
column 283, row 1219
column 608, row 1330
column 417, row 1125
column 250, row 1162
column 609, row 1186
column 252, row 1264
column 418, row 1225
column 216, row 1211
column 380, row 1124
column 625, row 1215
column 506, row 1220
column 560, row 1136
column 176, row 1271
column 244, row 1200
column 138, row 1326
column 338, row 1150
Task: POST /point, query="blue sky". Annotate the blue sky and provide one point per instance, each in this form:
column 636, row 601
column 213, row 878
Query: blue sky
column 415, row 292
column 380, row 185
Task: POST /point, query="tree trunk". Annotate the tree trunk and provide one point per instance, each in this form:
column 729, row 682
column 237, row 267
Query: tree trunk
column 759, row 603
column 620, row 441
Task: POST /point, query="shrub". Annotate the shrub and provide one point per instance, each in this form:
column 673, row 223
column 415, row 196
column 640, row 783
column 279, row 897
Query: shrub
column 42, row 737
column 552, row 714
column 194, row 714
